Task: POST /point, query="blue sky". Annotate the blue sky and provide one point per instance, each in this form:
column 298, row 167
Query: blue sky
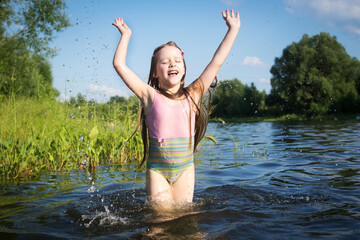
column 84, row 61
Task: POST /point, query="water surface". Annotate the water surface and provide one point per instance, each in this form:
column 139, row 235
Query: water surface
column 266, row 180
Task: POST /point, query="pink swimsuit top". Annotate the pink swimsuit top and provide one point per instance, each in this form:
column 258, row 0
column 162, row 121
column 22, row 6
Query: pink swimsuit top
column 170, row 121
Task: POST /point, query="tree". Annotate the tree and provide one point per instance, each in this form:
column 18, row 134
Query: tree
column 225, row 98
column 234, row 99
column 24, row 73
column 32, row 22
column 252, row 100
column 314, row 76
column 118, row 99
column 26, row 29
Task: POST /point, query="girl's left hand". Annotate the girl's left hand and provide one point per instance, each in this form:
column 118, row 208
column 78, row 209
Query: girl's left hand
column 231, row 20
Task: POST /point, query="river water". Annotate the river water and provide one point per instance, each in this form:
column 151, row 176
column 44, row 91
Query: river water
column 266, row 180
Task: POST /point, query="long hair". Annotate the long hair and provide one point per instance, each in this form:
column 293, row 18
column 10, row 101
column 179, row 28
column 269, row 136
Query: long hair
column 201, row 115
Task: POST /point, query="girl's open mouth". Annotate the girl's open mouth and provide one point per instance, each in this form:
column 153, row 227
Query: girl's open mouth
column 173, row 73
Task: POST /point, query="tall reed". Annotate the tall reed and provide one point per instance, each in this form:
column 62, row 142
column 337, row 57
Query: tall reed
column 46, row 135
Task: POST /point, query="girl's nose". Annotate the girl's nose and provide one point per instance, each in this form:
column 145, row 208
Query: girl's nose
column 172, row 64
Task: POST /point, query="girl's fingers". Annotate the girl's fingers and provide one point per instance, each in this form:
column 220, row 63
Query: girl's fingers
column 119, row 22
column 230, row 14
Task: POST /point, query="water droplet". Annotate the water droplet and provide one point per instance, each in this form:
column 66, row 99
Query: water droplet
column 92, row 189
column 81, row 139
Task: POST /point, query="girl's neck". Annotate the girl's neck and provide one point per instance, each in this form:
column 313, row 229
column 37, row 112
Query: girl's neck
column 175, row 92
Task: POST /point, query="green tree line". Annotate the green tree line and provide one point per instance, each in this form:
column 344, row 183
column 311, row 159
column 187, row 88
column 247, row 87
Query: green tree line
column 234, row 99
column 312, row 77
column 91, row 109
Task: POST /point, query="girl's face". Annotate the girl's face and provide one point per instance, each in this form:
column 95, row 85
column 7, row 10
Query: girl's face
column 170, row 67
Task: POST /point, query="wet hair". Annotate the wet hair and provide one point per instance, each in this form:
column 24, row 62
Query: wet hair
column 201, row 115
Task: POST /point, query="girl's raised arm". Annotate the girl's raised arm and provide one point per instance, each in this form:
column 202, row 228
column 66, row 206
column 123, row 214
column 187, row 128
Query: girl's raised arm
column 208, row 75
column 141, row 89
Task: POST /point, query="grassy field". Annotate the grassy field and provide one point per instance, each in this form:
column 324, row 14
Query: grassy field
column 46, row 135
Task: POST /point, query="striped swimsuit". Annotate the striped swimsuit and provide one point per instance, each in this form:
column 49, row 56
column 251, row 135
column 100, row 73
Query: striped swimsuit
column 171, row 137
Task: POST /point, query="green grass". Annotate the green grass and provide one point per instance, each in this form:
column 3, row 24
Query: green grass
column 46, row 135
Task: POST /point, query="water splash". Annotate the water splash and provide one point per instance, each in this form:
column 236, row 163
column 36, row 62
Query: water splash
column 103, row 218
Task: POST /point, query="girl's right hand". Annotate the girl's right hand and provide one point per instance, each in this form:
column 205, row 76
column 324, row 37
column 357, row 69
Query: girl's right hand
column 121, row 25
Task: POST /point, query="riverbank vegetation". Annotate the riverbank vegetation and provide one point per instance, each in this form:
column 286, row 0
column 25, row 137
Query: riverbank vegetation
column 314, row 78
column 41, row 135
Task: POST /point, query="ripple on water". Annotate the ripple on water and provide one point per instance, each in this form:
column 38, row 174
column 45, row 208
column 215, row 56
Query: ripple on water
column 308, row 187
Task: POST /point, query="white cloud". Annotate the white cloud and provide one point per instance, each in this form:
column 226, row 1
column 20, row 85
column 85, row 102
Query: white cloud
column 340, row 13
column 229, row 3
column 108, row 91
column 264, row 80
column 252, row 61
column 352, row 29
column 339, row 9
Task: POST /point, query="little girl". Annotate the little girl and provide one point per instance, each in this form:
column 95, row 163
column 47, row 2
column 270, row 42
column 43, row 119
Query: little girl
column 173, row 120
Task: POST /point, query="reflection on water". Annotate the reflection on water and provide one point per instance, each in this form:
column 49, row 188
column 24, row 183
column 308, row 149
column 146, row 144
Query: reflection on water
column 264, row 180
